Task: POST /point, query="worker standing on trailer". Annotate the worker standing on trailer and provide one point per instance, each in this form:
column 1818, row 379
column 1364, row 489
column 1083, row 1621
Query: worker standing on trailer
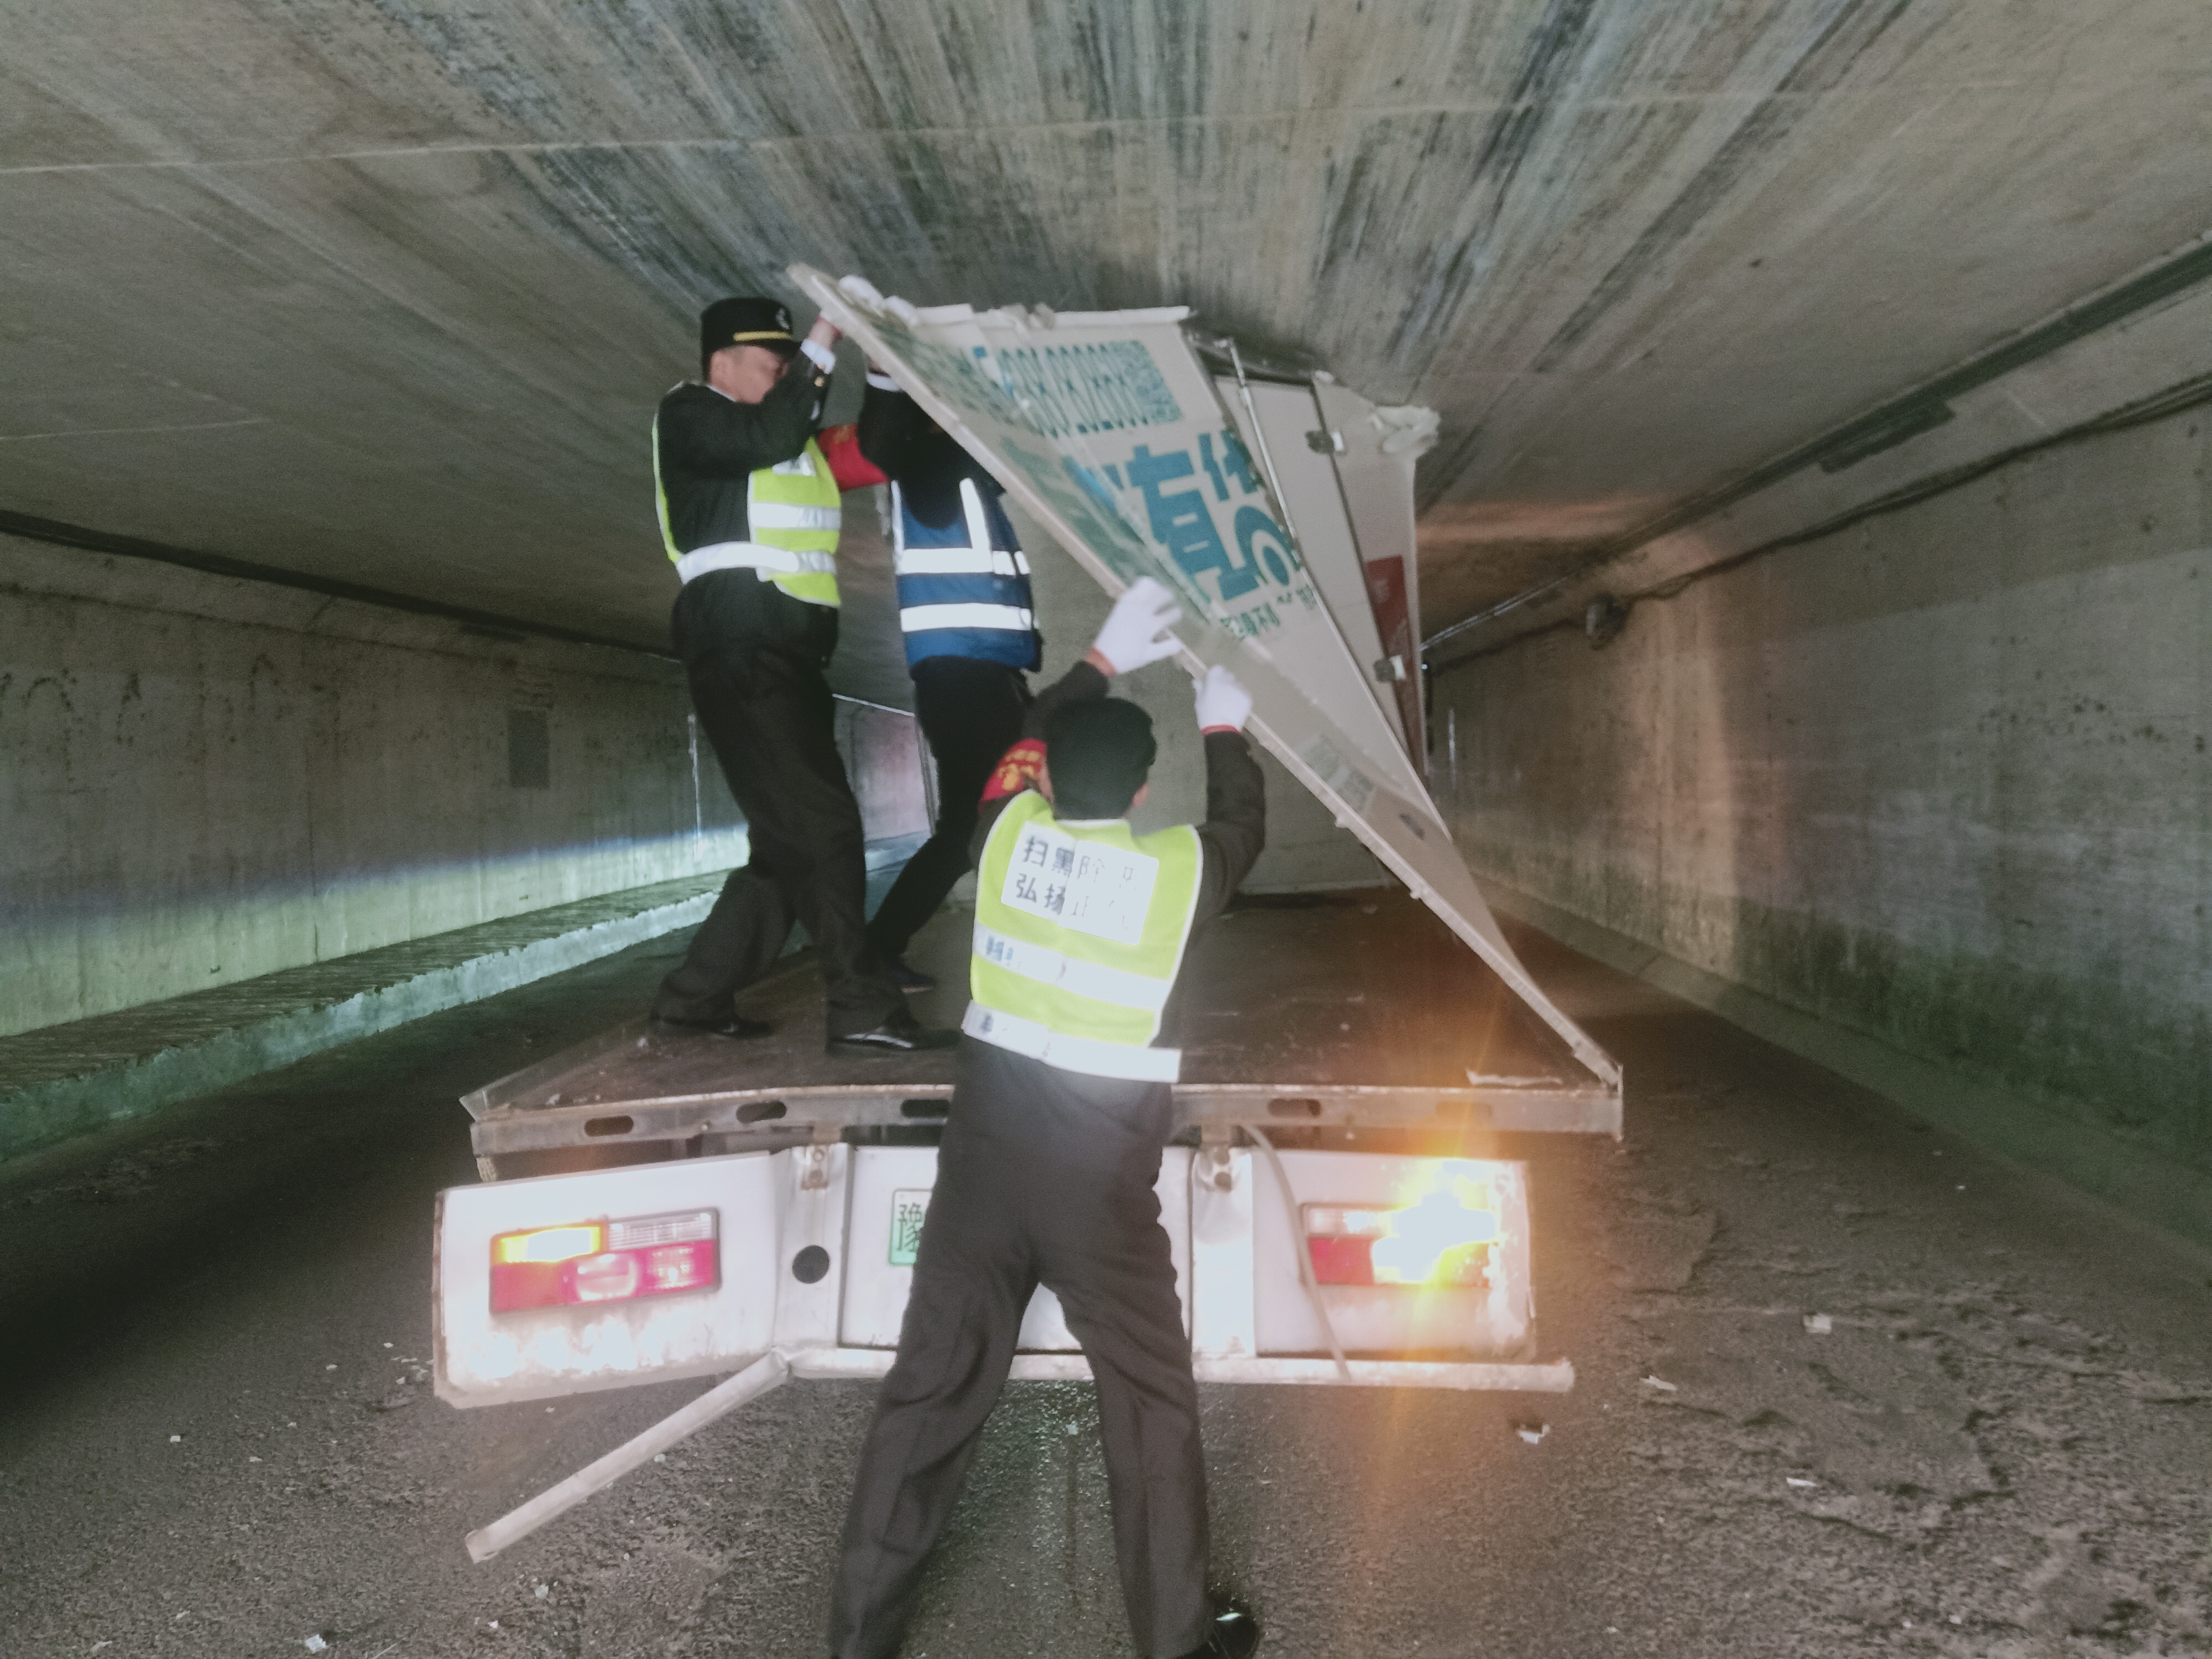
column 1062, row 1105
column 748, row 515
column 970, row 630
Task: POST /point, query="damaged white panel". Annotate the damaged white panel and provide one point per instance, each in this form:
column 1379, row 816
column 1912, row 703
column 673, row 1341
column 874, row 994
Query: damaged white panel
column 1291, row 421
column 1107, row 428
column 1375, row 450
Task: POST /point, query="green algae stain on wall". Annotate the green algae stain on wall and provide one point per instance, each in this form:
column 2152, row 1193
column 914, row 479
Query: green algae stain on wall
column 1942, row 781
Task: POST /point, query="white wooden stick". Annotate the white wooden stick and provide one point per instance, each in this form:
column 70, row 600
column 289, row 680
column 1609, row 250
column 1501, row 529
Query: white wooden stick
column 771, row 1371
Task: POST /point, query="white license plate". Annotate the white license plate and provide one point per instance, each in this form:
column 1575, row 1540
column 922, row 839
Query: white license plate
column 908, row 1205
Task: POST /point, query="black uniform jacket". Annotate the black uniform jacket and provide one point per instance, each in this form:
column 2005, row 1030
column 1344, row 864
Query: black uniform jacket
column 709, row 445
column 1230, row 841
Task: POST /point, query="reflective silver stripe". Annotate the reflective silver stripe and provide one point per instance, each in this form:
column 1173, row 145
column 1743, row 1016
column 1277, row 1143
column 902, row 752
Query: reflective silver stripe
column 1085, row 979
column 751, row 555
column 784, row 515
column 1085, row 1054
column 959, row 562
column 971, row 504
column 978, row 558
column 916, row 617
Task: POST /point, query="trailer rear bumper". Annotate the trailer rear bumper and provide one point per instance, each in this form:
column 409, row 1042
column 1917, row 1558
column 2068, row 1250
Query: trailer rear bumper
column 567, row 1284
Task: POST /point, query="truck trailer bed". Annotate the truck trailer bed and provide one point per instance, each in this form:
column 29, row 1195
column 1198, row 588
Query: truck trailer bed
column 1336, row 1213
column 1357, row 1009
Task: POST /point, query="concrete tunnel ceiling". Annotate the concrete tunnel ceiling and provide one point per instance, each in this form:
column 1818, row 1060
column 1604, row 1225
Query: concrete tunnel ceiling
column 383, row 292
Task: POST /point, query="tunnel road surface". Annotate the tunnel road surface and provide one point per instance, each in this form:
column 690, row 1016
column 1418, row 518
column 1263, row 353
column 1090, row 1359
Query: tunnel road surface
column 1846, row 1387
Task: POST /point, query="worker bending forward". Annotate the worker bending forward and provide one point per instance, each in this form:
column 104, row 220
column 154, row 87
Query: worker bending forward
column 1062, row 1105
column 750, row 515
column 970, row 632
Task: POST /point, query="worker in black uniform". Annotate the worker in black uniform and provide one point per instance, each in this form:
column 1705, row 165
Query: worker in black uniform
column 970, row 627
column 749, row 515
column 1062, row 1105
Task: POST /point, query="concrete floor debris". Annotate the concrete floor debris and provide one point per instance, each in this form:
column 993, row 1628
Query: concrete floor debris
column 1997, row 1452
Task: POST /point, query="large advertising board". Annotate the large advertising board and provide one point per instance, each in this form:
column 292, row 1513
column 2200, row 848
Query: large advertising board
column 1107, row 429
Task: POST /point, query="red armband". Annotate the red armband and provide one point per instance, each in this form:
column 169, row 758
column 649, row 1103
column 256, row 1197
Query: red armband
column 1017, row 769
column 841, row 447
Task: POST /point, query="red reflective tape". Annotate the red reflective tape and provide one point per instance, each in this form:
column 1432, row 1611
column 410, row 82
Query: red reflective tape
column 1342, row 1261
column 518, row 1285
column 1348, row 1261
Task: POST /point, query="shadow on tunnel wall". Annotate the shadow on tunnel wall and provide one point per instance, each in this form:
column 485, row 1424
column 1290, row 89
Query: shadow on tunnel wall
column 1939, row 779
column 205, row 781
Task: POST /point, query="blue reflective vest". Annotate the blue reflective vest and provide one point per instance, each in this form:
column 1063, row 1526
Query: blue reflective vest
column 963, row 590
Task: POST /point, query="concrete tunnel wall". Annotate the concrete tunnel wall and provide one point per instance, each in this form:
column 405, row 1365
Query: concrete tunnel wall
column 217, row 779
column 1939, row 779
column 212, row 779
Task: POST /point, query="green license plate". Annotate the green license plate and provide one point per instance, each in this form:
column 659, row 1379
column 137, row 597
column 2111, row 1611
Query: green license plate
column 908, row 1208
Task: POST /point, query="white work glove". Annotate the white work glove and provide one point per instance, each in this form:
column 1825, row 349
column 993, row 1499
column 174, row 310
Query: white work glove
column 864, row 293
column 1223, row 701
column 1409, row 431
column 1136, row 629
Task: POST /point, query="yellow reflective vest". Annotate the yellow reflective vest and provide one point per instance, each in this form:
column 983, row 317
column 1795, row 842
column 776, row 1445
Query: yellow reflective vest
column 792, row 514
column 1080, row 931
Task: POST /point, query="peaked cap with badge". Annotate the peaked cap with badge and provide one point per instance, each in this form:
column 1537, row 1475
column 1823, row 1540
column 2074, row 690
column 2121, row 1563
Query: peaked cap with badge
column 745, row 320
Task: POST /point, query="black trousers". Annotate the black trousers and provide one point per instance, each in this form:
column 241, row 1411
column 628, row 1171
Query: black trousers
column 1044, row 1176
column 971, row 713
column 755, row 657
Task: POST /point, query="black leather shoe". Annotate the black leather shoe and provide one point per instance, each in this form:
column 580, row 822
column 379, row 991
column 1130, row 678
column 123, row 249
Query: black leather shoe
column 910, row 978
column 900, row 1034
column 1235, row 1635
column 729, row 1026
